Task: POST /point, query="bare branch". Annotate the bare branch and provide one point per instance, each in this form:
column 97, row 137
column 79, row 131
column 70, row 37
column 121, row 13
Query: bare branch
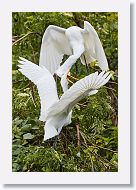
column 24, row 37
column 78, row 135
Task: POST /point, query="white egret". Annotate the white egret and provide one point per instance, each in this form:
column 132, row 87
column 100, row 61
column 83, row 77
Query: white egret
column 56, row 112
column 74, row 41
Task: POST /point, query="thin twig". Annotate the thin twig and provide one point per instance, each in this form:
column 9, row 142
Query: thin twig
column 114, row 96
column 110, row 88
column 24, row 37
column 100, row 159
column 14, row 82
column 78, row 135
column 19, row 89
column 32, row 93
column 95, row 154
column 113, row 82
column 81, row 105
column 96, row 146
column 34, row 58
column 105, row 160
column 65, row 137
column 92, row 166
column 84, row 139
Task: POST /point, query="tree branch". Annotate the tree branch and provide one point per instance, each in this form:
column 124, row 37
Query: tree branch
column 24, row 37
column 78, row 135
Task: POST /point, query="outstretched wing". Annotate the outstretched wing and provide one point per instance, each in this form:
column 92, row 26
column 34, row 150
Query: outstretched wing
column 54, row 46
column 93, row 46
column 84, row 87
column 44, row 81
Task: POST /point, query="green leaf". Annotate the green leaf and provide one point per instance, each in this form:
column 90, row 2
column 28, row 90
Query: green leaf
column 28, row 136
column 26, row 128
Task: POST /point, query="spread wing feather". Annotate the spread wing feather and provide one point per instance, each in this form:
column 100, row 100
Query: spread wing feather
column 93, row 46
column 84, row 87
column 54, row 46
column 44, row 81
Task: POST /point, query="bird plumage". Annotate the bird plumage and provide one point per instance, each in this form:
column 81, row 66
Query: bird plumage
column 73, row 41
column 57, row 112
column 44, row 81
column 54, row 46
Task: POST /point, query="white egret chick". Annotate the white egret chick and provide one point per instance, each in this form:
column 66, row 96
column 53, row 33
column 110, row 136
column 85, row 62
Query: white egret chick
column 73, row 41
column 56, row 112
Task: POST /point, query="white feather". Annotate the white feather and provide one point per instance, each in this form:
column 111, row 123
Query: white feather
column 54, row 46
column 49, row 131
column 44, row 81
column 84, row 87
column 57, row 113
column 93, row 46
column 74, row 41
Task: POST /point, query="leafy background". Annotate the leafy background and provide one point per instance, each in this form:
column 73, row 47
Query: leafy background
column 95, row 118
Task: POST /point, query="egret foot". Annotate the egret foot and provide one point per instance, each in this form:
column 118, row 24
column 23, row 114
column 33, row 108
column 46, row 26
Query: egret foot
column 68, row 77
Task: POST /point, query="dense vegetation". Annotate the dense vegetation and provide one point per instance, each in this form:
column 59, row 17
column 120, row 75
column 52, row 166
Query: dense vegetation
column 94, row 118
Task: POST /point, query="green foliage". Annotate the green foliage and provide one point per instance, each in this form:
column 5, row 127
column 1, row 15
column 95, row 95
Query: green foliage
column 96, row 115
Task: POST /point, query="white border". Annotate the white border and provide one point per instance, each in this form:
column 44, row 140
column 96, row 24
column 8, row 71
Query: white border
column 123, row 174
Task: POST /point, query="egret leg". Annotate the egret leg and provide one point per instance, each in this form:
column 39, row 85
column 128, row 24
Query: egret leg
column 55, row 141
column 56, row 78
column 87, row 69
